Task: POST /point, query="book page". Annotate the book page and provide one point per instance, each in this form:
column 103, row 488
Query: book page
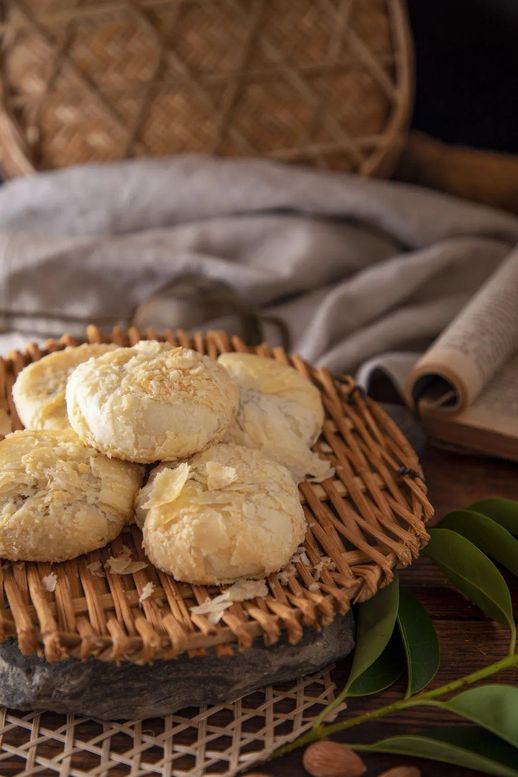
column 489, row 425
column 496, row 407
column 453, row 372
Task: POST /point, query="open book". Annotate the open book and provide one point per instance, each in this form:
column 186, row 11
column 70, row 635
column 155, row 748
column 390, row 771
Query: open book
column 465, row 387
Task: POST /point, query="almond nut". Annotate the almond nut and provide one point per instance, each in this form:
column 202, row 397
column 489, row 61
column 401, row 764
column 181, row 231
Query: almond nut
column 330, row 759
column 402, row 771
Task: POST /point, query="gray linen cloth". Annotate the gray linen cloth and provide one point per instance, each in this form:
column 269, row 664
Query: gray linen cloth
column 355, row 268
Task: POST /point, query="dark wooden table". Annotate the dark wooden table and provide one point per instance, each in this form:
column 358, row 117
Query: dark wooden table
column 468, row 639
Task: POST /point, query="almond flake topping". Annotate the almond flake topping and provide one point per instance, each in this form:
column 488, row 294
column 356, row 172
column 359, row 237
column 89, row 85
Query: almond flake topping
column 219, row 476
column 167, row 486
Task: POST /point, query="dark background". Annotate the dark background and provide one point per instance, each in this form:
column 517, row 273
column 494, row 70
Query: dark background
column 467, row 71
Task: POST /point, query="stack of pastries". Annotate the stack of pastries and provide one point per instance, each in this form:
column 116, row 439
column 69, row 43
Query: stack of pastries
column 204, row 455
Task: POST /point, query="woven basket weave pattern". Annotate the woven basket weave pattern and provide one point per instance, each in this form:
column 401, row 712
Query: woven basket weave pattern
column 368, row 519
column 325, row 82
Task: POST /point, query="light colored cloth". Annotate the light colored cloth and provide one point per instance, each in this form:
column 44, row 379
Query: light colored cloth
column 355, row 267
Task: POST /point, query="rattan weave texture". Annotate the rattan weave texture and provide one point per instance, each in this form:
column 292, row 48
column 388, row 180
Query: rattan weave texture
column 367, row 520
column 325, row 82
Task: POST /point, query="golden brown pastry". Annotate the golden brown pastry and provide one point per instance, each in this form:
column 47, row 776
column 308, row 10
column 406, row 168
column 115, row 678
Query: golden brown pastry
column 39, row 390
column 150, row 402
column 58, row 498
column 280, row 412
column 230, row 512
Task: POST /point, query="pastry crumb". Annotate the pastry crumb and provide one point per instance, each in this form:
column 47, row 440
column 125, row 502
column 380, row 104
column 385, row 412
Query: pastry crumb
column 147, row 592
column 246, row 589
column 238, row 592
column 325, row 474
column 123, row 564
column 49, row 582
column 302, row 556
column 324, row 563
column 212, row 608
column 95, row 568
column 284, row 575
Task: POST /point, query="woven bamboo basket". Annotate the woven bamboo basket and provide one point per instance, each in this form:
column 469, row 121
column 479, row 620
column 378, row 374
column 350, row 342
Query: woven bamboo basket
column 325, row 82
column 367, row 520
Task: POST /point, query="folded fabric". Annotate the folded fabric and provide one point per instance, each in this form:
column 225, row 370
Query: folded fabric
column 347, row 268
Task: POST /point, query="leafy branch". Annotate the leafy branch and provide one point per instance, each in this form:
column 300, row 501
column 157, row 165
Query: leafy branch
column 426, row 698
column 395, row 633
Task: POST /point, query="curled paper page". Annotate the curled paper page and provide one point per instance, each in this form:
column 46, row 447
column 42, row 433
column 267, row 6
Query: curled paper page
column 473, row 349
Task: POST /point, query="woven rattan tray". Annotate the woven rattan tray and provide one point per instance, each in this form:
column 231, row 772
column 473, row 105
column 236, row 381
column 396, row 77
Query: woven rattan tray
column 313, row 81
column 369, row 519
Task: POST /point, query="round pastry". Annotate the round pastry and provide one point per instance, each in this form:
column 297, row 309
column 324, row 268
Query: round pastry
column 280, row 412
column 230, row 512
column 151, row 401
column 39, row 390
column 59, row 499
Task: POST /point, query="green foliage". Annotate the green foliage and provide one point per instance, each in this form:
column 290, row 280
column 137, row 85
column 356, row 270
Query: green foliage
column 376, row 620
column 396, row 633
column 467, row 746
column 503, row 511
column 420, row 642
column 488, row 535
column 473, row 573
column 384, row 672
column 493, row 707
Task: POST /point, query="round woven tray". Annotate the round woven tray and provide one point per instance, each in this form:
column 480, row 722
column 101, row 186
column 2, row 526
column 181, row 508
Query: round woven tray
column 368, row 520
column 314, row 81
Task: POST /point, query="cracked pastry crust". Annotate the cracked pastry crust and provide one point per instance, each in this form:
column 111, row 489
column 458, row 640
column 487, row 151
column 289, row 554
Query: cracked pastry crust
column 230, row 512
column 59, row 499
column 151, row 401
column 280, row 412
column 39, row 390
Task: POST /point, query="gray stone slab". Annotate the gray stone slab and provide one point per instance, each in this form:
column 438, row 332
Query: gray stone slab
column 109, row 692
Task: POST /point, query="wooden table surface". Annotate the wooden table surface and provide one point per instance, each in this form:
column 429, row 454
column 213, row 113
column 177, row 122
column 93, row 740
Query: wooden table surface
column 468, row 639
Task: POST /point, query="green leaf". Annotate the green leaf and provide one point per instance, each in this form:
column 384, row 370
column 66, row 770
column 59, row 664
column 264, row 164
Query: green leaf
column 494, row 707
column 376, row 621
column 486, row 534
column 468, row 746
column 503, row 511
column 419, row 640
column 472, row 572
column 384, row 672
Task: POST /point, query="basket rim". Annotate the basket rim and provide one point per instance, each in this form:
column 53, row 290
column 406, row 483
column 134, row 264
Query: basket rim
column 17, row 157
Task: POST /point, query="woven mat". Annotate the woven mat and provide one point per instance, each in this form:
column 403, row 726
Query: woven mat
column 219, row 740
